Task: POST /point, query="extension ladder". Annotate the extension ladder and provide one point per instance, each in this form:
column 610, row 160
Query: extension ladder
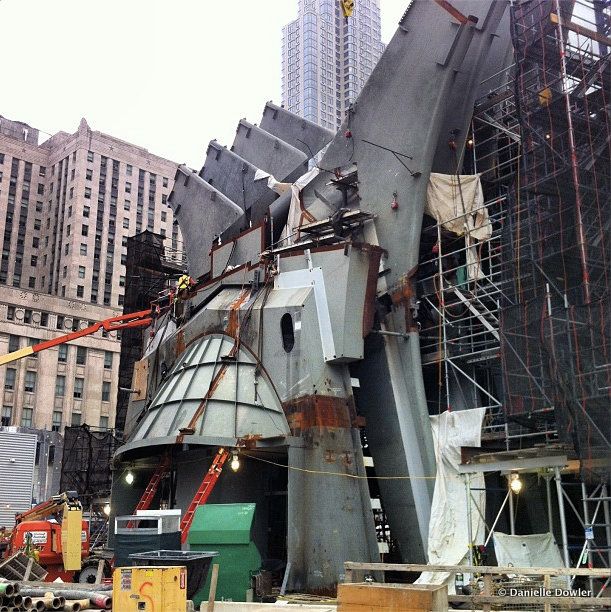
column 204, row 491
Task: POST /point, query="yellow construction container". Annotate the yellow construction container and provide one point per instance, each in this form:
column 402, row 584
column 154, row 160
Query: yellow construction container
column 162, row 589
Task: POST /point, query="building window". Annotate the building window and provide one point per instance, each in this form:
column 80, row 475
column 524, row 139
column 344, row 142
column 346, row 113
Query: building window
column 80, row 291
column 165, row 181
column 41, row 189
column 103, row 422
column 10, row 313
column 9, row 379
column 26, row 417
column 79, row 385
column 105, row 391
column 29, row 383
column 126, row 223
column 68, row 229
column 81, row 271
column 60, row 322
column 75, row 420
column 60, row 386
column 121, row 281
column 32, row 282
column 44, row 319
column 65, row 272
column 57, row 420
column 13, row 343
column 107, row 360
column 62, row 353
column 83, row 250
column 89, row 174
column 128, row 187
column 85, row 230
column 81, row 355
column 88, row 193
column 129, row 170
column 86, row 210
column 34, row 261
column 7, row 415
column 89, row 156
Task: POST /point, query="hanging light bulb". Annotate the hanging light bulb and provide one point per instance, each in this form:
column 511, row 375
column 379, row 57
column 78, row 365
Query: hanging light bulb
column 106, row 509
column 129, row 477
column 235, row 461
column 515, row 484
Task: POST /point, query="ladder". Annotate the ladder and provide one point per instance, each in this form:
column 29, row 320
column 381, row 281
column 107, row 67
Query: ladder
column 151, row 488
column 153, row 485
column 203, row 493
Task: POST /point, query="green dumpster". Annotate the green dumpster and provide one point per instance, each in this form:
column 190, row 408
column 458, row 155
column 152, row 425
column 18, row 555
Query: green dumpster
column 226, row 528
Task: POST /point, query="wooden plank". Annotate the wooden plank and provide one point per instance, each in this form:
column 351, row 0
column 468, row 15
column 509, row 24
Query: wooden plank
column 600, row 602
column 487, row 591
column 100, row 573
column 212, row 593
column 547, row 583
column 28, row 569
column 378, row 596
column 479, row 569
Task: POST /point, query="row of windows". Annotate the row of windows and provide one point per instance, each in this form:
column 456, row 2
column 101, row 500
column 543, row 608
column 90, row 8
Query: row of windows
column 30, row 379
column 27, row 417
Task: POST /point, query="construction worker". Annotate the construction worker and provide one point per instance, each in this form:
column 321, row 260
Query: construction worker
column 183, row 286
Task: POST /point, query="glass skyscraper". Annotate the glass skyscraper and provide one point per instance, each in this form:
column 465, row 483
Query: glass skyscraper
column 327, row 58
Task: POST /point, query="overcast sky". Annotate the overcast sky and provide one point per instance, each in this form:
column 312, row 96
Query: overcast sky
column 168, row 75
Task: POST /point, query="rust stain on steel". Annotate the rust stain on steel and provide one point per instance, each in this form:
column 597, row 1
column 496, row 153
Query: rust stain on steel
column 320, row 411
column 214, row 383
column 375, row 254
column 233, row 324
column 180, row 347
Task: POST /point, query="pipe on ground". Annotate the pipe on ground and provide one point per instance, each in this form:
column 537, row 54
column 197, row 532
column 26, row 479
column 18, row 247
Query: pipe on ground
column 100, row 600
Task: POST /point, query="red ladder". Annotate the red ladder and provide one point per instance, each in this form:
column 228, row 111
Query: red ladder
column 151, row 487
column 204, row 491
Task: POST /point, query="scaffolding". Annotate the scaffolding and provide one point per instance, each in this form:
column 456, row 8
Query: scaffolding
column 527, row 337
column 153, row 262
column 556, row 321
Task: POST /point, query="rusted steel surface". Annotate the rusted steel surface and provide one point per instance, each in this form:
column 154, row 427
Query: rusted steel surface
column 320, row 411
column 233, row 324
column 375, row 255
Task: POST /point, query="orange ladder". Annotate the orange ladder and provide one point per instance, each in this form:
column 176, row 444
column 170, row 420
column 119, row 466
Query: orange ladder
column 204, row 491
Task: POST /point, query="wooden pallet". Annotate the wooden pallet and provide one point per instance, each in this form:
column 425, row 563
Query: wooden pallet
column 21, row 567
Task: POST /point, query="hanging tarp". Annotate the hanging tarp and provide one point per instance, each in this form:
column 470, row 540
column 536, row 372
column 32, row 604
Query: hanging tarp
column 535, row 550
column 296, row 214
column 448, row 542
column 457, row 202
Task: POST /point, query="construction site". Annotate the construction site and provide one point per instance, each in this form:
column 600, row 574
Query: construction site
column 377, row 373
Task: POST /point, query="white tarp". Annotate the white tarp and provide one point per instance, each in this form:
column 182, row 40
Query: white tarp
column 535, row 550
column 457, row 202
column 448, row 542
column 296, row 215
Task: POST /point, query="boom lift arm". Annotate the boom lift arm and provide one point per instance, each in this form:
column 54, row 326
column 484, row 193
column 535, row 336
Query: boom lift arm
column 135, row 319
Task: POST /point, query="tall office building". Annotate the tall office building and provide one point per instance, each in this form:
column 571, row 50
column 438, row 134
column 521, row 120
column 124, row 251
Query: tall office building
column 327, row 58
column 67, row 206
